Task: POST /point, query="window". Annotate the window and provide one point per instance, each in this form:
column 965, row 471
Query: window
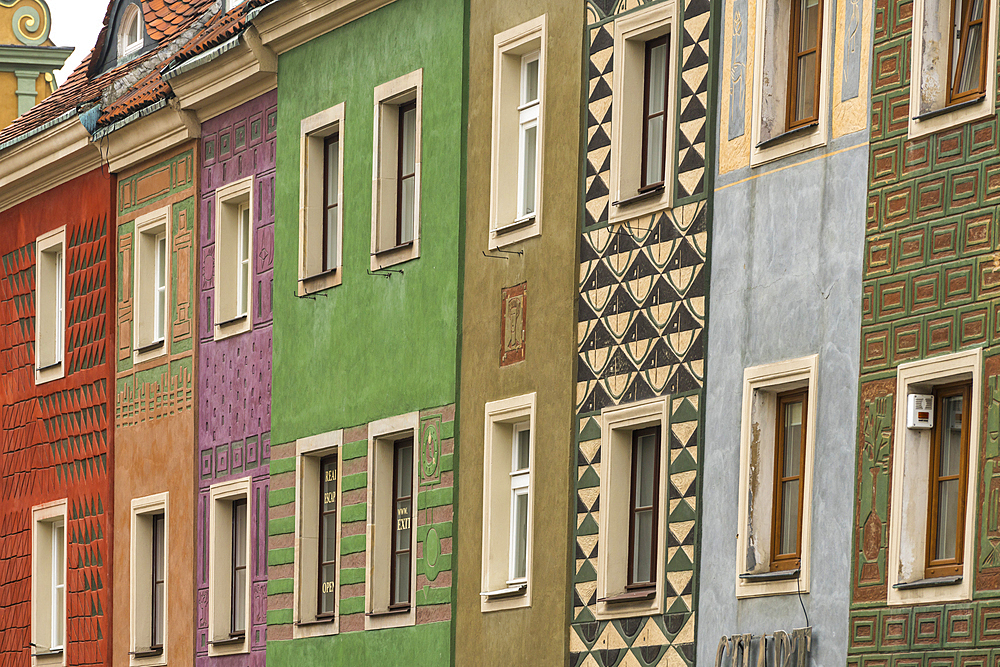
column 228, row 583
column 954, row 53
column 233, row 253
column 152, row 274
column 149, row 590
column 643, row 112
column 130, row 35
column 632, row 524
column 233, row 3
column 791, row 93
column 317, row 535
column 396, row 195
column 321, row 200
column 48, row 579
column 50, row 305
column 517, row 133
column 507, row 503
column 393, row 525
column 931, row 520
column 777, row 436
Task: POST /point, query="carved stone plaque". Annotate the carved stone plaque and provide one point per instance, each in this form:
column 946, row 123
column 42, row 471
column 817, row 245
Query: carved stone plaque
column 513, row 323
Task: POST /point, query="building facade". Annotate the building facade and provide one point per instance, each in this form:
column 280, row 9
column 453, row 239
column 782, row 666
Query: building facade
column 28, row 58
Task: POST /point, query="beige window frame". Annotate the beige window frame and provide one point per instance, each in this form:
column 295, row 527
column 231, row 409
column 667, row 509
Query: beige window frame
column 140, row 575
column 382, row 436
column 509, row 49
column 44, row 578
column 50, row 306
column 930, row 77
column 910, row 481
column 309, row 452
column 632, row 31
column 313, row 133
column 504, row 418
column 231, row 202
column 131, row 18
column 220, row 562
column 761, row 388
column 617, row 426
column 149, row 229
column 389, row 97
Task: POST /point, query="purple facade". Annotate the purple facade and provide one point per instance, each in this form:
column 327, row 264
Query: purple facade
column 234, row 373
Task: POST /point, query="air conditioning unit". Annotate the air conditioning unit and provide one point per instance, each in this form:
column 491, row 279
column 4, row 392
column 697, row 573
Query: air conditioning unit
column 920, row 411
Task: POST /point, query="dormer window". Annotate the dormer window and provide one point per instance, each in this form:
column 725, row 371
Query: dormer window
column 130, row 33
column 233, row 3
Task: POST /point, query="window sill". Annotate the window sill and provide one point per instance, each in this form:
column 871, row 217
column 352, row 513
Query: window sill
column 155, row 345
column 239, row 639
column 42, row 369
column 786, row 136
column 388, row 612
column 147, row 653
column 318, row 621
column 640, row 196
column 509, row 592
column 51, row 653
column 949, row 109
column 779, row 575
column 395, row 248
column 640, row 595
column 928, row 583
column 232, row 321
column 518, row 223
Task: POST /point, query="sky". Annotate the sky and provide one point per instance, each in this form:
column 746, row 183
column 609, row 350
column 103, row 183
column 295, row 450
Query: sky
column 75, row 23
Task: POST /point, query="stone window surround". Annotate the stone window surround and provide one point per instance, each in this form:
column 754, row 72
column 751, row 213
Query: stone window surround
column 153, row 223
column 139, row 575
column 228, row 197
column 313, row 131
column 56, row 369
column 221, row 497
column 47, row 513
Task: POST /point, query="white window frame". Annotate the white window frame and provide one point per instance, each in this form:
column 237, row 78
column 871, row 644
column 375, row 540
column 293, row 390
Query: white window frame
column 761, row 385
column 389, row 97
column 230, row 200
column 503, row 417
column 126, row 47
column 766, row 102
column 44, row 519
column 527, row 119
column 308, row 452
column 220, row 563
column 509, row 50
column 313, row 132
column 910, row 470
column 617, row 425
column 140, row 610
column 382, row 436
column 50, row 305
column 632, row 31
column 919, row 73
column 148, row 229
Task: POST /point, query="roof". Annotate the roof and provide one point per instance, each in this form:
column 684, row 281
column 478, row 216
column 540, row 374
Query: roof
column 219, row 29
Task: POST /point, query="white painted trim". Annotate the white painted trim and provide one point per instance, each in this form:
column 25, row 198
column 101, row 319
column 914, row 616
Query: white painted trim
column 140, row 507
column 150, row 223
column 44, row 244
column 48, row 513
column 219, row 600
column 227, row 196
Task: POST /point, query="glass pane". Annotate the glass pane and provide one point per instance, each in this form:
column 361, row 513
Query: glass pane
column 240, row 601
column 328, row 579
column 657, row 79
column 805, row 96
column 158, row 592
column 808, row 25
column 332, row 166
column 789, row 517
column 529, row 89
column 59, row 558
column 520, row 532
column 58, row 615
column 402, row 590
column 951, row 437
column 244, row 269
column 793, row 439
column 328, row 548
column 642, row 548
column 158, row 541
column 523, row 449
column 654, row 150
column 528, row 147
column 406, row 214
column 404, row 471
column 239, row 534
column 402, row 525
column 947, row 519
column 647, row 471
column 973, row 60
column 409, row 142
column 329, row 484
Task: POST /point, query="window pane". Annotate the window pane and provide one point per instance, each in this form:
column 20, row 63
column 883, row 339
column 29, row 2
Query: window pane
column 328, row 547
column 158, row 594
column 529, row 87
column 654, row 150
column 647, row 471
column 519, row 549
column 239, row 533
column 805, row 96
column 951, row 437
column 793, row 440
column 402, row 590
column 328, row 593
column 789, row 516
column 404, row 474
column 240, row 600
column 158, row 571
column 947, row 519
column 642, row 549
column 528, row 155
column 244, row 268
column 973, row 60
column 809, row 25
column 332, row 167
column 408, row 192
column 657, row 77
column 409, row 151
column 522, row 447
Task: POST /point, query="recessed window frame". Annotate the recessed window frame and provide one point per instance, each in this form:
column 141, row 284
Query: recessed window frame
column 631, row 196
column 50, row 305
column 636, row 507
column 235, row 218
column 142, row 652
column 788, row 560
column 225, row 498
column 382, row 438
column 49, row 527
column 389, row 244
column 400, row 544
column 513, row 117
column 309, row 452
column 318, row 270
column 758, row 573
column 618, row 596
column 908, row 505
column 150, row 229
column 795, row 53
column 505, row 419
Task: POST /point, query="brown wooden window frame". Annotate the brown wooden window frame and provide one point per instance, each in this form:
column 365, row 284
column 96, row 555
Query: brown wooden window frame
column 395, row 605
column 952, row 566
column 647, row 117
column 955, row 72
column 794, row 55
column 784, row 562
column 631, row 584
column 320, row 563
column 235, row 567
column 402, row 110
column 158, row 554
column 329, row 223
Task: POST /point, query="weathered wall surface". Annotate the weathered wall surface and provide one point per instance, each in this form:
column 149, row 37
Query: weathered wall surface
column 154, row 399
column 234, row 374
column 57, row 437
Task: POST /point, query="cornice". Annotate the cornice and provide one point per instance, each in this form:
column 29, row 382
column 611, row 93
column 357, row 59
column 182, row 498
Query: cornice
column 41, row 58
column 286, row 25
column 45, row 161
column 149, row 136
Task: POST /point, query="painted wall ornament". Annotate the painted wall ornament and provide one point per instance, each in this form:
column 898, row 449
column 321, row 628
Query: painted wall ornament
column 513, row 323
column 430, row 450
column 852, row 50
column 784, row 651
column 737, row 75
column 31, row 21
